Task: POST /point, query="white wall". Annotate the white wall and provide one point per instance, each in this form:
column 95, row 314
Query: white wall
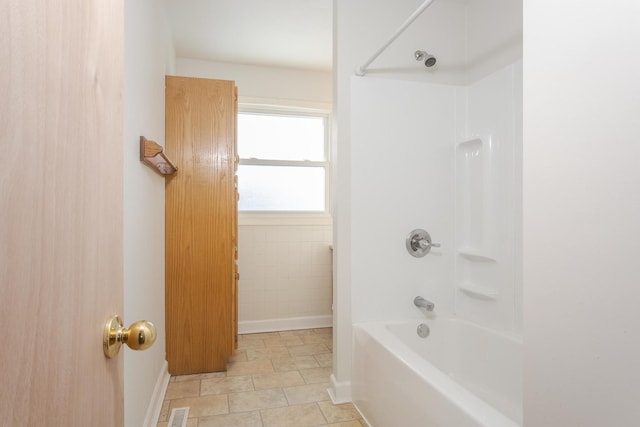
column 148, row 57
column 271, row 83
column 494, row 38
column 285, row 263
column 581, row 213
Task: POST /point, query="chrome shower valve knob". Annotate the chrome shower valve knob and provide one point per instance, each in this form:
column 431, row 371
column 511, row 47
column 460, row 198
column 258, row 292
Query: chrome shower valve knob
column 419, row 243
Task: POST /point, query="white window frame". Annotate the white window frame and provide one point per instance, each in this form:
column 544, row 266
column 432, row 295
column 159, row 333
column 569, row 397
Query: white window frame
column 292, row 217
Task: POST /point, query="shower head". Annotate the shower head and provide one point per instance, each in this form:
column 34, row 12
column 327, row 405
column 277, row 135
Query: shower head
column 429, row 60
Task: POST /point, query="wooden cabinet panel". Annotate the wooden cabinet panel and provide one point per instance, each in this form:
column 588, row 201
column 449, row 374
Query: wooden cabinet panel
column 201, row 224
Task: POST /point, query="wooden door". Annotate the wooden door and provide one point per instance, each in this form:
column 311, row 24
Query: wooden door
column 61, row 66
column 200, row 220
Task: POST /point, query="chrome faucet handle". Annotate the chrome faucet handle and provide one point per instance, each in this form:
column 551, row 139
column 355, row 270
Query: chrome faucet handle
column 419, row 243
column 424, row 244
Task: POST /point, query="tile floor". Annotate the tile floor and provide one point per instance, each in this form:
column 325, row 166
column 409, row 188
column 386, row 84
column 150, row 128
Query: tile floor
column 275, row 379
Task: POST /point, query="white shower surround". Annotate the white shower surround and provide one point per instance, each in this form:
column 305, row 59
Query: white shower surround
column 402, row 179
column 471, row 39
column 408, row 146
column 403, row 147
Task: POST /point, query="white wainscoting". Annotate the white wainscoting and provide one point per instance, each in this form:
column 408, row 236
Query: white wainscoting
column 285, row 277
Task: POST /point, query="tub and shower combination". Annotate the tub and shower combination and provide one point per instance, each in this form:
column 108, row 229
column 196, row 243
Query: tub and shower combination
column 460, row 375
column 461, row 178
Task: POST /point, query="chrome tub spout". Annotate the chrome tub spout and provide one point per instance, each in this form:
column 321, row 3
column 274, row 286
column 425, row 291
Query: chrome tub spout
column 421, row 302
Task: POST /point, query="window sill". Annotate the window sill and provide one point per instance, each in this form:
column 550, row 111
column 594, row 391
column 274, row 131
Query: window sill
column 284, row 218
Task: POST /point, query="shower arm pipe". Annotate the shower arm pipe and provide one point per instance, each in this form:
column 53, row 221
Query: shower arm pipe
column 362, row 70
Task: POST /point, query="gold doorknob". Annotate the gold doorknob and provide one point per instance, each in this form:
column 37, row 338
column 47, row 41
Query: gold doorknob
column 139, row 336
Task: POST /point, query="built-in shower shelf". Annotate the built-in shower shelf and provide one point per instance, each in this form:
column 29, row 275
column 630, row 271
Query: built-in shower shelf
column 478, row 290
column 475, row 255
column 474, row 141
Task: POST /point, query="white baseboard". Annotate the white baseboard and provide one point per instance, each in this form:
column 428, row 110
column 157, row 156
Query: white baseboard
column 340, row 391
column 155, row 406
column 287, row 324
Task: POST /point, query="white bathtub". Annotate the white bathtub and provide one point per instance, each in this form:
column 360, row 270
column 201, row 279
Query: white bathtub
column 461, row 375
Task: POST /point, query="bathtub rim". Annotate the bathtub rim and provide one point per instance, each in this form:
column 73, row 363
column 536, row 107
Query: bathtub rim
column 515, row 336
column 462, row 398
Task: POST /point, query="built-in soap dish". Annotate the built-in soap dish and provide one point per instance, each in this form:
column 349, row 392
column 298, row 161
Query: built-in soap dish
column 478, row 291
column 473, row 254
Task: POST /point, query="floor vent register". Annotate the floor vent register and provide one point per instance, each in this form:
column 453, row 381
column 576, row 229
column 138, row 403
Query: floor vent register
column 179, row 417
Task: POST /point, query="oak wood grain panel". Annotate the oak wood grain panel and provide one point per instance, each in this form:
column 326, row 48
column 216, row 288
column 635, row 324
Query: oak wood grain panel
column 61, row 273
column 200, row 137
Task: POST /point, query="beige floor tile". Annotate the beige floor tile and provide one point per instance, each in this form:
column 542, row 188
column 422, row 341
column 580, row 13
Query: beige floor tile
column 277, row 380
column 226, row 385
column 294, row 363
column 308, row 349
column 254, row 400
column 194, row 377
column 247, row 344
column 296, row 332
column 339, row 413
column 164, row 411
column 315, row 338
column 203, row 406
column 249, row 368
column 240, row 419
column 180, row 389
column 293, row 416
column 325, row 360
column 283, row 341
column 316, row 375
column 266, row 353
column 238, row 356
column 273, row 379
column 307, row 393
column 258, row 336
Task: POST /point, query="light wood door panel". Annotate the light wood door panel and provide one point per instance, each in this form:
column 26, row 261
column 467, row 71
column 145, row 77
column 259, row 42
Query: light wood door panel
column 61, row 81
column 200, row 209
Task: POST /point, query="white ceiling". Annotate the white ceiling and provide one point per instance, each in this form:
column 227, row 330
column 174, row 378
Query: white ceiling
column 282, row 33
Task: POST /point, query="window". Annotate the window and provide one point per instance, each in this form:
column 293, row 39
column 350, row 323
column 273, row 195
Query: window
column 284, row 164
